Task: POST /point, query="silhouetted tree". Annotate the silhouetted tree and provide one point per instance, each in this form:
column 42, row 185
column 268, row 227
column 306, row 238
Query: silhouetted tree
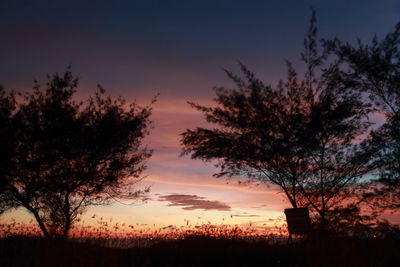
column 7, row 142
column 299, row 136
column 64, row 155
column 375, row 70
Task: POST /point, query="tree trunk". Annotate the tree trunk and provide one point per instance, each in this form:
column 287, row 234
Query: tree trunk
column 291, row 199
column 323, row 223
column 67, row 226
column 40, row 222
column 67, row 216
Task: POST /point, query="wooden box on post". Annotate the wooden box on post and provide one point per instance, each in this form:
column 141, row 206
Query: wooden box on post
column 298, row 221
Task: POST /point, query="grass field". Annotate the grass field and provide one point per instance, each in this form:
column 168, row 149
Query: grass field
column 202, row 251
column 204, row 245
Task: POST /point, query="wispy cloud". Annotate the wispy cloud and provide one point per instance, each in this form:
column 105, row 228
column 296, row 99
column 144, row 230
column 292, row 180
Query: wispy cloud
column 194, row 202
column 244, row 214
column 263, row 206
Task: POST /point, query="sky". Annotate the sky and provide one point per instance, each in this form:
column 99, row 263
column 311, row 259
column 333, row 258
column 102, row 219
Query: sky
column 177, row 49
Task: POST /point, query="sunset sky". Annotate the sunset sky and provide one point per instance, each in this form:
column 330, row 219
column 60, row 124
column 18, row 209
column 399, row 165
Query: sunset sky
column 177, row 49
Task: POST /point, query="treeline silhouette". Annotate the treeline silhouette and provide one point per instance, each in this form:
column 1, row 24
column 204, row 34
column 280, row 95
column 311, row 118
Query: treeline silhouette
column 310, row 136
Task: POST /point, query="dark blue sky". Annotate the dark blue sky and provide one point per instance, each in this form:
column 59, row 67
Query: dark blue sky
column 176, row 48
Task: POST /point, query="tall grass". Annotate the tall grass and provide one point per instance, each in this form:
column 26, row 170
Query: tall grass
column 105, row 232
column 108, row 243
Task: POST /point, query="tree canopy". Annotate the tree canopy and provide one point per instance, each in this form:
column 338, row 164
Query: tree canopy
column 374, row 69
column 300, row 135
column 60, row 155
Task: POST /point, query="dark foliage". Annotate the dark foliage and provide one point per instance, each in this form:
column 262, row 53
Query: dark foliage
column 375, row 70
column 7, row 107
column 299, row 136
column 59, row 156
